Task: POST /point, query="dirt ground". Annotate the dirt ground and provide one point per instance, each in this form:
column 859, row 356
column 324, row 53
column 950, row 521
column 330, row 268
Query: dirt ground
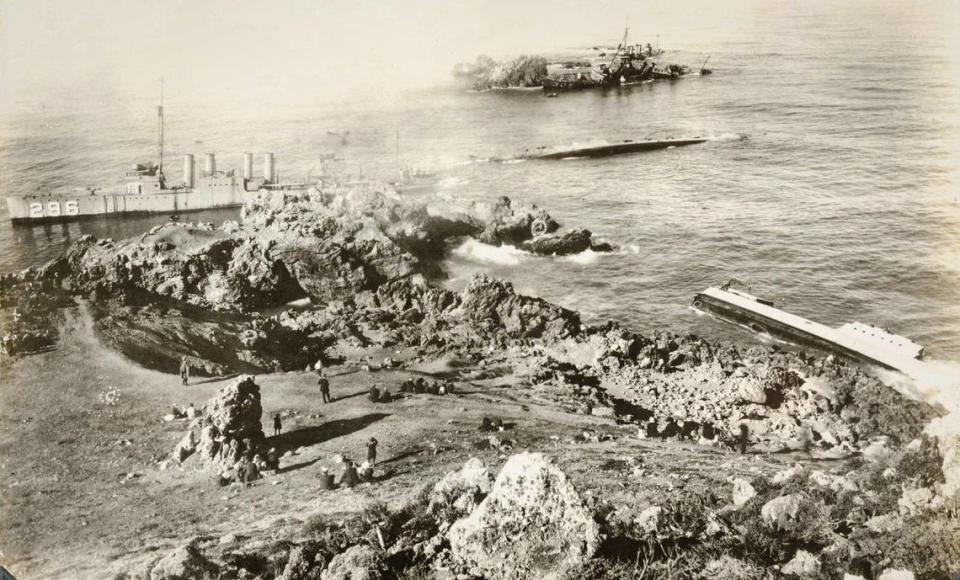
column 82, row 432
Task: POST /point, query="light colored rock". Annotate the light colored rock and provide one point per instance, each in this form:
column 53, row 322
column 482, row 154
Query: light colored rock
column 783, row 476
column 915, row 501
column 849, row 576
column 532, row 524
column 463, row 490
column 185, row 563
column 649, row 519
column 877, row 450
column 777, row 512
column 360, row 562
column 883, row 523
column 750, row 390
column 895, row 574
column 804, row 564
column 833, row 482
column 742, row 492
column 729, row 568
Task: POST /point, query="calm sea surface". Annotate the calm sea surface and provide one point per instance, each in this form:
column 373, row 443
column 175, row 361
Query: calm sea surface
column 831, row 185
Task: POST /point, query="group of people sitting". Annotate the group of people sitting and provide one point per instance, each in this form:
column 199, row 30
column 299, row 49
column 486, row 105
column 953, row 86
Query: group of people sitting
column 250, row 468
column 352, row 474
column 684, row 431
column 419, row 385
column 489, row 425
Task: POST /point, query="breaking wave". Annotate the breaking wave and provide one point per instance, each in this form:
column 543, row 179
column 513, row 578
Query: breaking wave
column 584, row 258
column 475, row 251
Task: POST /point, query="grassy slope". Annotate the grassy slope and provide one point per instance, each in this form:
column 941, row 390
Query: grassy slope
column 66, row 509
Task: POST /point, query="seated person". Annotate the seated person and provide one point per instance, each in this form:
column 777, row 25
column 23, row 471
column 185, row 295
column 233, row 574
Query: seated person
column 326, row 479
column 350, row 477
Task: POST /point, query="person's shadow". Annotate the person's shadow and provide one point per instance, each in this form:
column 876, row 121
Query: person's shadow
column 320, row 433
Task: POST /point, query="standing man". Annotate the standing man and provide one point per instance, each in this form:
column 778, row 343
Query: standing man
column 184, row 370
column 324, row 386
column 744, row 438
column 277, row 424
column 372, row 451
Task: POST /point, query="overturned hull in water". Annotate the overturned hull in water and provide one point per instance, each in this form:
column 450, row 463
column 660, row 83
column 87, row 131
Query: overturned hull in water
column 857, row 341
column 608, row 150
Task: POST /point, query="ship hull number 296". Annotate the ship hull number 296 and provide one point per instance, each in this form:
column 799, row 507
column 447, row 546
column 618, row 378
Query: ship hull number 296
column 54, row 208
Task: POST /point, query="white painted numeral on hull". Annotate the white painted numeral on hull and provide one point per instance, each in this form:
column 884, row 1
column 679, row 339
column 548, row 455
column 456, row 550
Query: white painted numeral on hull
column 53, row 208
column 36, row 210
column 71, row 207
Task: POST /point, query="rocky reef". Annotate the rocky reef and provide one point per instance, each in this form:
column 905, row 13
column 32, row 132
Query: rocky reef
column 486, row 73
column 185, row 290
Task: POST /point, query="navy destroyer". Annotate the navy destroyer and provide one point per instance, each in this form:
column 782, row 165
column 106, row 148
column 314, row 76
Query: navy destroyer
column 144, row 189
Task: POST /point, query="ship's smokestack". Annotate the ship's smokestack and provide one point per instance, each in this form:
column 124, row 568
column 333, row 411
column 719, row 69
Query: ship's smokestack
column 188, row 170
column 211, row 166
column 268, row 167
column 248, row 165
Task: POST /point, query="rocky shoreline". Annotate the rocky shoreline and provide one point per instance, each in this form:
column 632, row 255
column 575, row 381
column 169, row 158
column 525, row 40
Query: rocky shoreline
column 350, row 279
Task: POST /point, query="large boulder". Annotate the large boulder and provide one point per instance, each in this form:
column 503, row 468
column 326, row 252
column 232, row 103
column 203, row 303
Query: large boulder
column 228, row 428
column 572, row 242
column 533, row 524
column 460, row 492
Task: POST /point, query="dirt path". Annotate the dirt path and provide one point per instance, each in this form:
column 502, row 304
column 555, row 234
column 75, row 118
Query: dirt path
column 75, row 422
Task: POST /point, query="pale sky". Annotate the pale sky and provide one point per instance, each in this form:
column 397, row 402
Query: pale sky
column 325, row 48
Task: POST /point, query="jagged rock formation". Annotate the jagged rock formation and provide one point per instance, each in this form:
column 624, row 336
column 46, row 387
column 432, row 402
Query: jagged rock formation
column 485, row 73
column 228, row 429
column 572, row 242
column 533, row 524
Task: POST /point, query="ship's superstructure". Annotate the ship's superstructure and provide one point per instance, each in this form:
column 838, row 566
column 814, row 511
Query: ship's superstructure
column 630, row 63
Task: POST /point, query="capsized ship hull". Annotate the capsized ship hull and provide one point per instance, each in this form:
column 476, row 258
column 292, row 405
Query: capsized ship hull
column 857, row 341
column 611, row 149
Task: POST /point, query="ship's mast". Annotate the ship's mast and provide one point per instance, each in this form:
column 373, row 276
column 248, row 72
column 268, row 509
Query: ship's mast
column 160, row 116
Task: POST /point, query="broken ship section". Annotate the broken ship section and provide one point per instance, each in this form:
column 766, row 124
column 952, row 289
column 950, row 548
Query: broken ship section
column 858, row 341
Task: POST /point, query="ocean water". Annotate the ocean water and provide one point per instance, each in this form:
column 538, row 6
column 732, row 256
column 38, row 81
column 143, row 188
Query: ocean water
column 830, row 183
